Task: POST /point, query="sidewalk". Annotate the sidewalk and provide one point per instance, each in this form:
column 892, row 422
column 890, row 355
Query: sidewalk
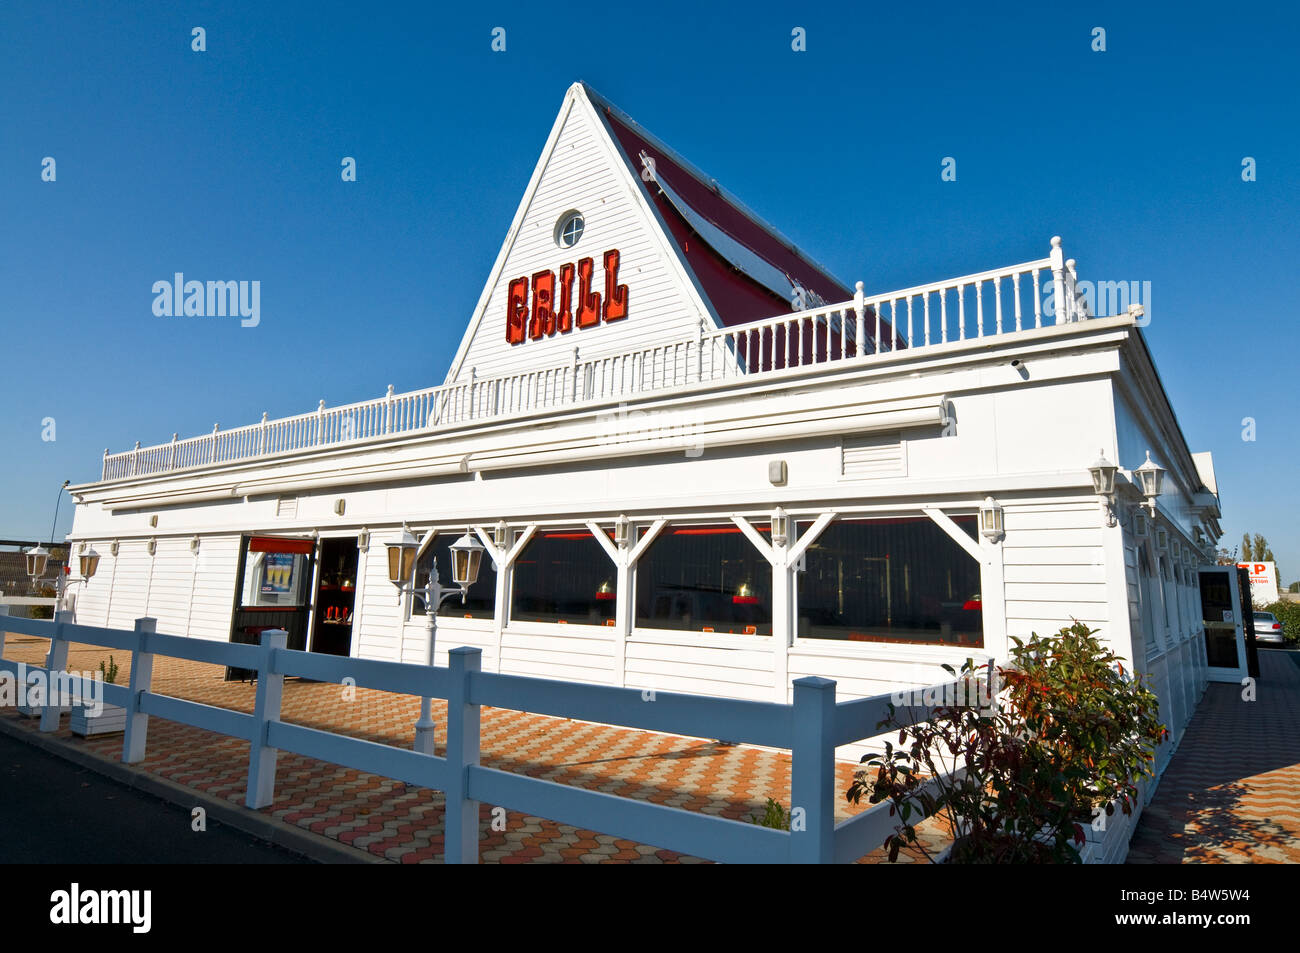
column 1231, row 794
column 403, row 824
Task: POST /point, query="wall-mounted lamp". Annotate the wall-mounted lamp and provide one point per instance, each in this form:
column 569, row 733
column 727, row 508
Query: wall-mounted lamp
column 991, row 521
column 1103, row 484
column 89, row 560
column 622, row 532
column 194, row 545
column 780, row 527
column 501, row 534
column 1150, row 476
column 153, row 547
column 113, row 547
column 363, row 539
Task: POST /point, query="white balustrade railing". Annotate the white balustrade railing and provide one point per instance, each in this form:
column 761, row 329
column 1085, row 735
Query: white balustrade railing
column 1001, row 301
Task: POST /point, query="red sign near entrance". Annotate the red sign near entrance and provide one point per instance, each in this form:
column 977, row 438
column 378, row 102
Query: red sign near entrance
column 548, row 316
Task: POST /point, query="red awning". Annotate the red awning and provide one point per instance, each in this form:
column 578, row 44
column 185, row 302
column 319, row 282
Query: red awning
column 280, row 544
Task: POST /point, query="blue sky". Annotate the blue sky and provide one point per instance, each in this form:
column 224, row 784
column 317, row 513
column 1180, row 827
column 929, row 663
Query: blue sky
column 225, row 164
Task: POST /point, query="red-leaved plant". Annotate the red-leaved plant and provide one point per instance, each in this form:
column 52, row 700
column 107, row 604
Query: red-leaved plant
column 1069, row 734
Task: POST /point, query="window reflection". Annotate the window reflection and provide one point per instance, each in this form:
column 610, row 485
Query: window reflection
column 891, row 580
column 564, row 577
column 705, row 579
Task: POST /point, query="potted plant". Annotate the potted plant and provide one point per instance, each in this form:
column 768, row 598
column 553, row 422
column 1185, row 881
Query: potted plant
column 111, row 718
column 1067, row 738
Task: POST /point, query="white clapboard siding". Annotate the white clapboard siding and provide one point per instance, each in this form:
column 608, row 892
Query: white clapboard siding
column 130, row 584
column 214, row 588
column 378, row 630
column 453, row 633
column 93, row 594
column 684, row 666
column 583, row 653
column 172, row 569
column 582, row 173
column 1054, row 568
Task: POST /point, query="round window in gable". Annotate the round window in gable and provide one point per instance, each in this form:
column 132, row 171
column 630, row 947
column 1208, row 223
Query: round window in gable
column 569, row 229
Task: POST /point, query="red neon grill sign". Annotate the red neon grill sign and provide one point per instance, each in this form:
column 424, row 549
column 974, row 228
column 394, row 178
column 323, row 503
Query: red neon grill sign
column 554, row 308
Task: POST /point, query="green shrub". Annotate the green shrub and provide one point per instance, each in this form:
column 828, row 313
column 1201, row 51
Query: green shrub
column 1070, row 736
column 774, row 816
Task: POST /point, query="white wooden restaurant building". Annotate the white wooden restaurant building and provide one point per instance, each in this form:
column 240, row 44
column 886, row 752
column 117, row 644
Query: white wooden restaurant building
column 652, row 380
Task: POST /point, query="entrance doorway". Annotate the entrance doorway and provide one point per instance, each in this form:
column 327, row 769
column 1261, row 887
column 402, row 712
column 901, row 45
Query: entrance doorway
column 336, row 595
column 1221, row 614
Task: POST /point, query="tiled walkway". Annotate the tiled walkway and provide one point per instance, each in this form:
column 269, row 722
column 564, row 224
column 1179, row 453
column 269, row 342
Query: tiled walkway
column 404, row 824
column 1232, row 792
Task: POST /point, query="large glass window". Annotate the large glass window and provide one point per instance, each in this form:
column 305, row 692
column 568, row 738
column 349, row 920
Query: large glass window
column 480, row 601
column 705, row 579
column 564, row 577
column 277, row 572
column 891, row 580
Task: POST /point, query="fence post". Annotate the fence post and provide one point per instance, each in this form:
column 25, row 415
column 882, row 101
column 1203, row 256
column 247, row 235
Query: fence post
column 460, row 830
column 55, row 662
column 812, row 772
column 261, row 756
column 137, row 722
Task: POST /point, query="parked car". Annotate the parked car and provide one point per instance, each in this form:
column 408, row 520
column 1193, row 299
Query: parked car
column 1267, row 628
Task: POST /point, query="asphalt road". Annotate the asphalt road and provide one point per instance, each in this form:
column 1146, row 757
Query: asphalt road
column 53, row 811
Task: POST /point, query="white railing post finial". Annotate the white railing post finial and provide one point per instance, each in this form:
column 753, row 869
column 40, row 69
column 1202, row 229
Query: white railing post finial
column 388, row 410
column 1060, row 303
column 212, row 444
column 320, row 422
column 860, row 307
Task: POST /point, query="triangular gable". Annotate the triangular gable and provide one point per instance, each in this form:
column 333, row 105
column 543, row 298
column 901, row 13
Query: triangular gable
column 653, row 298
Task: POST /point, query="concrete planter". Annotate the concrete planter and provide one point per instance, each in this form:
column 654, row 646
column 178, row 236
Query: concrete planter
column 112, row 719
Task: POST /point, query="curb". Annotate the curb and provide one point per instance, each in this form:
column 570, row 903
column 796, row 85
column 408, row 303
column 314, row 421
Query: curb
column 314, row 847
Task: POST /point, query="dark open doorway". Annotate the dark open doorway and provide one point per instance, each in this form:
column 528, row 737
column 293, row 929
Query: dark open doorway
column 336, row 595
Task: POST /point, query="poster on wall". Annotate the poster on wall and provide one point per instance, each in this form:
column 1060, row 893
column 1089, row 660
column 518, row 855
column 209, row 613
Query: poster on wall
column 277, row 574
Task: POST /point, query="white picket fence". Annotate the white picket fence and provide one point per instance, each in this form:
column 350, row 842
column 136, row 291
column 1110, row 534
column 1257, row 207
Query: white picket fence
column 986, row 304
column 810, row 729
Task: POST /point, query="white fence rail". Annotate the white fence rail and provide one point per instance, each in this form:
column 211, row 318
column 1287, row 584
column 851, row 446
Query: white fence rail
column 974, row 306
column 810, row 728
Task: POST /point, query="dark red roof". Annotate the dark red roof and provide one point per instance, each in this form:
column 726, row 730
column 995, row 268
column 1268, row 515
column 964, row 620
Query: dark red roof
column 736, row 297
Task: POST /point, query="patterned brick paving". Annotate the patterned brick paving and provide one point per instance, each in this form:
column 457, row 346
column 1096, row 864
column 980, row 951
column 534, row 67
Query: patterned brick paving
column 1231, row 794
column 403, row 823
